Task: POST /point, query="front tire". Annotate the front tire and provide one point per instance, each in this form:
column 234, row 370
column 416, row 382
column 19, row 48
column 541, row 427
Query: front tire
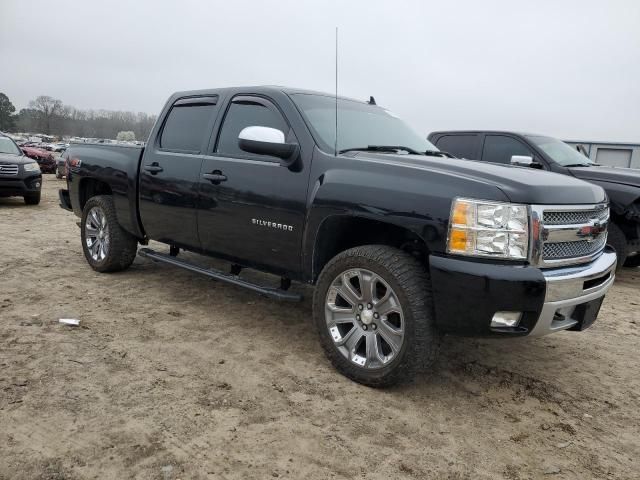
column 373, row 310
column 106, row 246
column 32, row 199
column 617, row 240
column 633, row 262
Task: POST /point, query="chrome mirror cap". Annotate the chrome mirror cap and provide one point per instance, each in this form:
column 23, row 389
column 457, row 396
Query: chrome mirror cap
column 262, row 134
column 522, row 160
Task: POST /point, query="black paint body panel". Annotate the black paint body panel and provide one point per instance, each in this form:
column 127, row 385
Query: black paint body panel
column 468, row 293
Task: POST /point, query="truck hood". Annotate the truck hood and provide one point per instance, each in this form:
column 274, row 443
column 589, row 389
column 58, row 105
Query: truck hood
column 6, row 158
column 625, row 176
column 519, row 184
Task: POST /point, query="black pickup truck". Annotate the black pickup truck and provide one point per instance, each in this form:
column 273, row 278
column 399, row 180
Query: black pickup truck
column 401, row 243
column 538, row 151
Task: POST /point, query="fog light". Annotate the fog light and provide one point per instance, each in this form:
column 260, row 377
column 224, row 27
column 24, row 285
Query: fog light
column 506, row 319
column 37, row 184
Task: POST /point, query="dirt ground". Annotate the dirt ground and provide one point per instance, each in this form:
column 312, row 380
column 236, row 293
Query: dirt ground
column 172, row 375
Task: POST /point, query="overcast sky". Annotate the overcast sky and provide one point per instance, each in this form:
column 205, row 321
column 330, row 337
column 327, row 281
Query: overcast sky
column 565, row 68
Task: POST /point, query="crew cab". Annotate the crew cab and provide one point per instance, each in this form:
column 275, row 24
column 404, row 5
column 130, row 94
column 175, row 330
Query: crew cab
column 547, row 153
column 401, row 243
column 20, row 176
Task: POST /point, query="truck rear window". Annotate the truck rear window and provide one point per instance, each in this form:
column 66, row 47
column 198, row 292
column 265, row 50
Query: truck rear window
column 185, row 127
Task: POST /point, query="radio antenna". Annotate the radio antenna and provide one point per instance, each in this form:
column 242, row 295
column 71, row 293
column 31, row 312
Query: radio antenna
column 335, row 147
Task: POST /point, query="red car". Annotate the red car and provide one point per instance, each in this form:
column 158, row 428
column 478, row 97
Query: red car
column 45, row 159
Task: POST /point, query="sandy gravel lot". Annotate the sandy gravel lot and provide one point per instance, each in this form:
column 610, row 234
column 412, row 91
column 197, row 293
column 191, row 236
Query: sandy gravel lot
column 176, row 376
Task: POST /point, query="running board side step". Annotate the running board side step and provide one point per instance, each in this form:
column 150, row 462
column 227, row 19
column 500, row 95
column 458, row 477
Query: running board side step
column 275, row 293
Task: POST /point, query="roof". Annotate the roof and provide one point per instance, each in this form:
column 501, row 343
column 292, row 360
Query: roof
column 507, row 132
column 264, row 89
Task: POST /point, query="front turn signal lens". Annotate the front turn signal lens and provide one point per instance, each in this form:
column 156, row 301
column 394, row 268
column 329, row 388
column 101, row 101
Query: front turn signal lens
column 462, row 213
column 459, row 240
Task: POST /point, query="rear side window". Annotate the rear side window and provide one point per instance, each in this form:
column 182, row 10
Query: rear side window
column 247, row 113
column 186, row 127
column 500, row 149
column 462, row 146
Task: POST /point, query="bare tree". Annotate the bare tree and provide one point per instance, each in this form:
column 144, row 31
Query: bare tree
column 48, row 108
column 50, row 116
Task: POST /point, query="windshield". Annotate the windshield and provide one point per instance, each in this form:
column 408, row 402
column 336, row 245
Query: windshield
column 360, row 125
column 8, row 146
column 560, row 152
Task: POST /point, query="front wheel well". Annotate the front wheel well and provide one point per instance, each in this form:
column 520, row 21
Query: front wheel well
column 340, row 233
column 90, row 187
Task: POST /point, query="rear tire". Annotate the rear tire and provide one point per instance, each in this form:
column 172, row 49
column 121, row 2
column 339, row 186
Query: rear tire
column 404, row 282
column 32, row 199
column 618, row 241
column 106, row 246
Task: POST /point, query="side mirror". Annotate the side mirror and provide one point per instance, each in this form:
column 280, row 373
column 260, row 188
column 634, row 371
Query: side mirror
column 525, row 161
column 268, row 141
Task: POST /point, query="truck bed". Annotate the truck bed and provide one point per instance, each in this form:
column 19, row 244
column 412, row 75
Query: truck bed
column 115, row 165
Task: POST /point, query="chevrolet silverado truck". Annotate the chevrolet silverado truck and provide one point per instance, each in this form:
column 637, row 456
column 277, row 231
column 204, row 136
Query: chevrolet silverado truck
column 401, row 243
column 537, row 151
column 20, row 176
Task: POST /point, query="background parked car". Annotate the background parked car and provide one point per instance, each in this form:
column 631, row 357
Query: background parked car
column 59, row 147
column 45, row 159
column 61, row 166
column 20, row 176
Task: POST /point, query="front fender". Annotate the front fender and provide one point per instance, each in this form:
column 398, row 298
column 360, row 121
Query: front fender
column 404, row 198
column 621, row 196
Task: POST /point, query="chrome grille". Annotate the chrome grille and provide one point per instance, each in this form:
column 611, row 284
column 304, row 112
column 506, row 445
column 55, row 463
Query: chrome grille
column 567, row 234
column 577, row 249
column 575, row 217
column 7, row 170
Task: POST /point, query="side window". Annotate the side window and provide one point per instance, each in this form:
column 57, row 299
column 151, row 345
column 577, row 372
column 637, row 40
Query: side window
column 499, row 149
column 247, row 113
column 462, row 146
column 186, row 126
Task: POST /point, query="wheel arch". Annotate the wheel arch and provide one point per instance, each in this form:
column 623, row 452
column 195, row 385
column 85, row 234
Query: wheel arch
column 91, row 187
column 338, row 233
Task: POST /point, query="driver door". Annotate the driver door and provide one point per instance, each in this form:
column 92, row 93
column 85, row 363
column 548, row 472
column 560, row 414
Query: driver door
column 251, row 208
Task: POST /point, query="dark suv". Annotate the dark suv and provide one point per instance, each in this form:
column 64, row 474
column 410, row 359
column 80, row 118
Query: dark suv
column 546, row 153
column 20, row 175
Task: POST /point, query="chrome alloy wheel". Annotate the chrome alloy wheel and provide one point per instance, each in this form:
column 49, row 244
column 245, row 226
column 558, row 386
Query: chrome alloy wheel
column 97, row 234
column 364, row 318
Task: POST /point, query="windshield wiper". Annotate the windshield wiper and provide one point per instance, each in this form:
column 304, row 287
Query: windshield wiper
column 382, row 149
column 578, row 165
column 438, row 153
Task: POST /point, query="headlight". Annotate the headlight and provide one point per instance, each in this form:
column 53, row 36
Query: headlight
column 31, row 167
column 488, row 229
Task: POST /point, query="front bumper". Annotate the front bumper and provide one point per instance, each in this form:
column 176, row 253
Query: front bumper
column 574, row 295
column 467, row 294
column 17, row 187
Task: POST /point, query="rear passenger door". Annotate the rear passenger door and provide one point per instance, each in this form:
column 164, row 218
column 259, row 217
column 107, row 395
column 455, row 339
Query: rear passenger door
column 461, row 145
column 500, row 149
column 170, row 172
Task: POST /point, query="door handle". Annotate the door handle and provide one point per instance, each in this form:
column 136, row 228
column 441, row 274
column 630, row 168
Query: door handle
column 215, row 177
column 153, row 168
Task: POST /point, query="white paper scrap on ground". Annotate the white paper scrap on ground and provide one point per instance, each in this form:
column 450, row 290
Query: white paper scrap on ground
column 70, row 321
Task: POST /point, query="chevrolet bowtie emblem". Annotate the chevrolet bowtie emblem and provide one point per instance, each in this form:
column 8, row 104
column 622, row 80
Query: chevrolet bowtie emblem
column 592, row 231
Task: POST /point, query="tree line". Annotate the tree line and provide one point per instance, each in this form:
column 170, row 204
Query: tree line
column 50, row 116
